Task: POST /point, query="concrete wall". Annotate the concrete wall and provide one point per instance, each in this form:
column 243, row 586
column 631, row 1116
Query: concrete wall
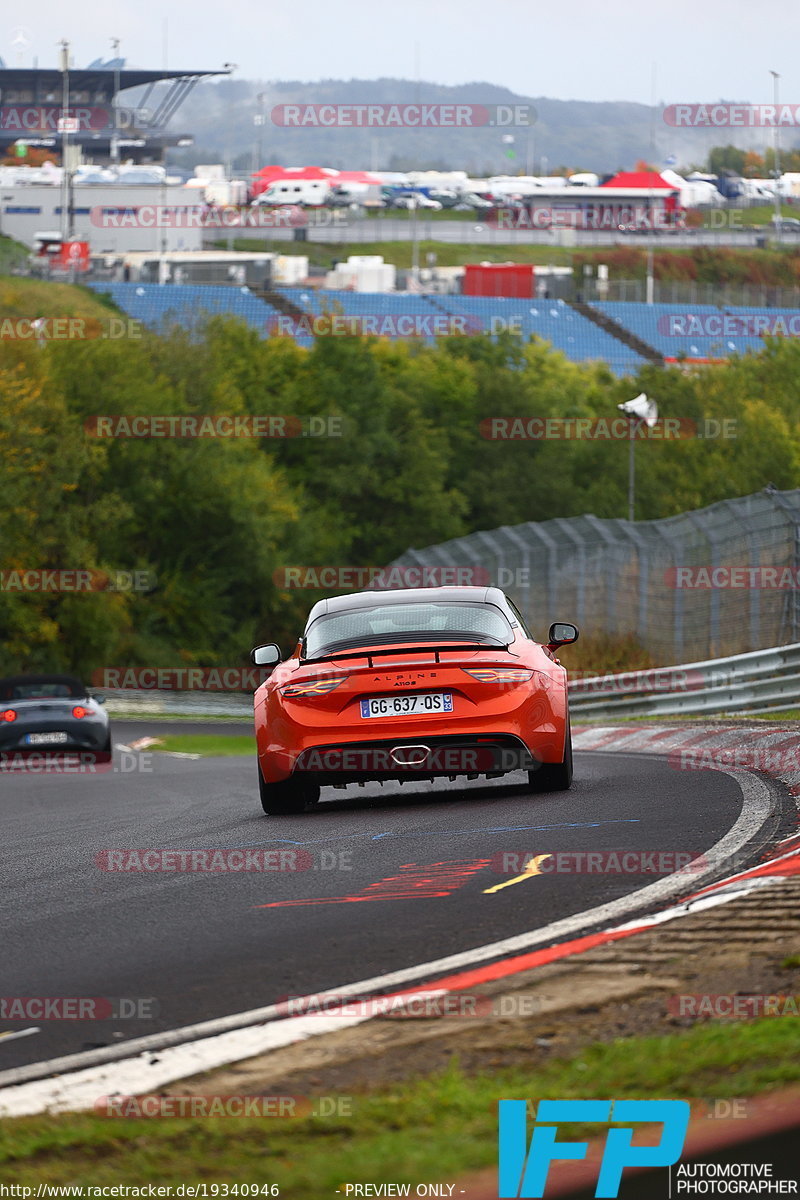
column 162, row 217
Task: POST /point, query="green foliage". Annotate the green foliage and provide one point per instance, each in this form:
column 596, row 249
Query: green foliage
column 215, row 521
column 778, row 266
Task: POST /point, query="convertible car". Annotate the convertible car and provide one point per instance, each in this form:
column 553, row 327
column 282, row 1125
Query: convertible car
column 51, row 713
column 411, row 684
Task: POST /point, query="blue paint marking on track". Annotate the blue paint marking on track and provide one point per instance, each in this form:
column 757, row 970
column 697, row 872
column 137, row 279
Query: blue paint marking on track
column 374, row 837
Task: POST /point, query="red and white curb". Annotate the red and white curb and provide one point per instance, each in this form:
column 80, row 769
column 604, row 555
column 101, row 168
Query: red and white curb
column 77, row 1082
column 775, row 751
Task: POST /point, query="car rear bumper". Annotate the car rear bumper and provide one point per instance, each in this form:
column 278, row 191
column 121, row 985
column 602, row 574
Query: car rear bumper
column 412, row 755
column 414, row 759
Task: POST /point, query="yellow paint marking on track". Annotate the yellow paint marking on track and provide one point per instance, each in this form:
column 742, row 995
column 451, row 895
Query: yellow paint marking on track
column 10, row 1034
column 531, row 869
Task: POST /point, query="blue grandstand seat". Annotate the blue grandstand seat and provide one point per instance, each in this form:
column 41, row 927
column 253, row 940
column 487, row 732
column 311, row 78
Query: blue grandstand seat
column 159, row 306
column 702, row 331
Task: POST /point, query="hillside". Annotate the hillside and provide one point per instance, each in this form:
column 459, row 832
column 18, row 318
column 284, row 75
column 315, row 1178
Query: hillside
column 575, row 133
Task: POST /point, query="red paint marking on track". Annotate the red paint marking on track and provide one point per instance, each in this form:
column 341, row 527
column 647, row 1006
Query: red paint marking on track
column 413, row 882
column 523, row 962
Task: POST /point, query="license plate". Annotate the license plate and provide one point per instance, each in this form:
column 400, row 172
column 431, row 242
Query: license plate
column 46, row 739
column 405, row 706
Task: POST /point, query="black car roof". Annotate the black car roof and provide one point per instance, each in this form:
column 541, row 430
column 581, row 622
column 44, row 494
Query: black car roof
column 11, row 681
column 427, row 595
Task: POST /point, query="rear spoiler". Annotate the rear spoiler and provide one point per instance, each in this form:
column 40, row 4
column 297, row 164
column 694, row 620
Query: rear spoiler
column 370, row 654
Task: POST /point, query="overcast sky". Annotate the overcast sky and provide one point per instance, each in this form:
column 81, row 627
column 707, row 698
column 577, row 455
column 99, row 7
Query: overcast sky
column 703, row 50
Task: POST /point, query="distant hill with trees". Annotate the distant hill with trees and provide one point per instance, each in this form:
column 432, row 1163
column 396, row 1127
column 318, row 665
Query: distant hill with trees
column 578, row 134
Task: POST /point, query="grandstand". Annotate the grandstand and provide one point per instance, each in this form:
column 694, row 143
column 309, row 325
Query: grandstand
column 701, row 332
column 552, row 320
column 160, row 306
column 659, row 326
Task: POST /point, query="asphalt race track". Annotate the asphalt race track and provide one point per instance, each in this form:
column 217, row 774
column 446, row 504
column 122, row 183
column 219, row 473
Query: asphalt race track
column 202, row 945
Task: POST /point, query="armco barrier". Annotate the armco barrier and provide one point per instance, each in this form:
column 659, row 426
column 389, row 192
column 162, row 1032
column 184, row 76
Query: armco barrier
column 124, row 702
column 763, row 681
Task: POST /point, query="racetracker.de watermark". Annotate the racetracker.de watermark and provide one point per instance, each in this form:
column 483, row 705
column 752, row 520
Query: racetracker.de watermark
column 218, row 425
column 658, row 679
column 76, row 579
column 79, row 1008
column 771, row 760
column 333, row 578
column 224, row 216
column 602, row 429
column 69, row 329
column 424, row 1005
column 741, row 1006
column 757, row 325
column 732, row 116
column 734, row 578
column 609, row 217
column 391, row 325
column 195, row 1107
column 598, row 862
column 74, row 762
column 180, row 679
column 221, row 861
column 402, row 116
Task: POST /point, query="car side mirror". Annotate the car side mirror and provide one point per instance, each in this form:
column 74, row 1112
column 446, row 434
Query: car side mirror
column 99, row 699
column 266, row 656
column 561, row 633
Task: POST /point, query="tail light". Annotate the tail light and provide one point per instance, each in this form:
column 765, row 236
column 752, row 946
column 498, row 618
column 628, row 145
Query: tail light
column 499, row 674
column 8, row 715
column 79, row 712
column 313, row 687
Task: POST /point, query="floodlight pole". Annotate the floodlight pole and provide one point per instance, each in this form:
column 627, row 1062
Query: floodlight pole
column 66, row 215
column 777, row 163
column 414, row 244
column 634, row 423
column 115, row 134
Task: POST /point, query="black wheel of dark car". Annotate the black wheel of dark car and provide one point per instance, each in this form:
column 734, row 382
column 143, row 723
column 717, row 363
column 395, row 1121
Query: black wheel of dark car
column 287, row 797
column 106, row 752
column 554, row 777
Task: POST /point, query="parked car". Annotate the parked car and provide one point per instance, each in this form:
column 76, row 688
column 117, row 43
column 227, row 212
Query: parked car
column 416, row 200
column 786, row 224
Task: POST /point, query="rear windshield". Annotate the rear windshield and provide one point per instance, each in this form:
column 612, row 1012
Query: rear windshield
column 408, row 623
column 45, row 690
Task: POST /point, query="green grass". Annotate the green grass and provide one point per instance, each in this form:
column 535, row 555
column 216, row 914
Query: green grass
column 322, row 254
column 434, row 1128
column 146, row 717
column 789, row 714
column 25, row 298
column 12, row 254
column 761, row 214
column 423, row 214
column 208, row 745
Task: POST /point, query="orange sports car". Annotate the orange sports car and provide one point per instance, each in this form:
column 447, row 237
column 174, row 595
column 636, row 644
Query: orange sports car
column 411, row 684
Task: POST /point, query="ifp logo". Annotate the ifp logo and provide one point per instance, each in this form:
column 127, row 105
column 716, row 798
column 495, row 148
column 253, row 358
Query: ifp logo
column 523, row 1171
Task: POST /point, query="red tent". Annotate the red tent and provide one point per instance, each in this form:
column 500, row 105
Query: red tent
column 267, row 175
column 647, row 180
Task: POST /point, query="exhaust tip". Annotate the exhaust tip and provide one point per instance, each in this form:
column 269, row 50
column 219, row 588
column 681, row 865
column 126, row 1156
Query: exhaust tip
column 409, row 756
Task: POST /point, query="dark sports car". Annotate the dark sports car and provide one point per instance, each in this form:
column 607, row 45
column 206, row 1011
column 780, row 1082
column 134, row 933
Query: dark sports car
column 53, row 713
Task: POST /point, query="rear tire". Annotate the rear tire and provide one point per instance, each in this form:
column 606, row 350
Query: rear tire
column 105, row 754
column 287, row 797
column 554, row 777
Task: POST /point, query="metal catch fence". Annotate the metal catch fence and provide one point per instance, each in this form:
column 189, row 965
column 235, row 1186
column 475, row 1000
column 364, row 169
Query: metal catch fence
column 719, row 581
